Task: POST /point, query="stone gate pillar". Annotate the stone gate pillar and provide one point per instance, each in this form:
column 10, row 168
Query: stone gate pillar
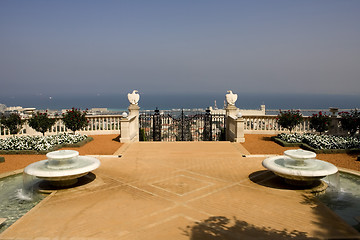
column 234, row 122
column 130, row 124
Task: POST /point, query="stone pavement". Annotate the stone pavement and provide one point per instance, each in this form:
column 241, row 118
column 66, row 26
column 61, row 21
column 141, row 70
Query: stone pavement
column 182, row 190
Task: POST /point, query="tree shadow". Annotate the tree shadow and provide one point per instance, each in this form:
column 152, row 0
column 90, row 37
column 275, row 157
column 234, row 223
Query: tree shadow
column 328, row 222
column 222, row 228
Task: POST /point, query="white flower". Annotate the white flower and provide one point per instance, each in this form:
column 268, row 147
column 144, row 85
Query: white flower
column 322, row 141
column 39, row 143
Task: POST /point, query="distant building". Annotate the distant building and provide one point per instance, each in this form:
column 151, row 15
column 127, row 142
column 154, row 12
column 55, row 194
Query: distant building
column 101, row 110
column 14, row 109
column 24, row 112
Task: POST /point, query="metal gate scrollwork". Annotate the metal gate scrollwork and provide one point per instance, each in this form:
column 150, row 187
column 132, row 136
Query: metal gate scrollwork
column 181, row 125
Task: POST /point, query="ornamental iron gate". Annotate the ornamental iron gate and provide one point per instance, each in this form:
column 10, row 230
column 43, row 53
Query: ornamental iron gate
column 181, row 125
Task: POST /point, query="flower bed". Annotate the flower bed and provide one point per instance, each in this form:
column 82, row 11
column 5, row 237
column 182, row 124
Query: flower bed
column 320, row 143
column 40, row 144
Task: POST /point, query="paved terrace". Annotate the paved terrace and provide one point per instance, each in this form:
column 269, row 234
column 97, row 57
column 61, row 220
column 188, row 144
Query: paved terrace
column 189, row 190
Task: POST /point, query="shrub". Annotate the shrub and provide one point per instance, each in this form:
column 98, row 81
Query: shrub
column 350, row 121
column 289, row 119
column 75, row 119
column 320, row 122
column 13, row 122
column 41, row 122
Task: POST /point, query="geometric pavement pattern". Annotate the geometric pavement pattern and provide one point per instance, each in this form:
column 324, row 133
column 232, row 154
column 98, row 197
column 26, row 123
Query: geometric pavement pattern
column 186, row 190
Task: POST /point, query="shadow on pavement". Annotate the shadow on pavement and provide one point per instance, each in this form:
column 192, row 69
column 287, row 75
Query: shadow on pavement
column 219, row 227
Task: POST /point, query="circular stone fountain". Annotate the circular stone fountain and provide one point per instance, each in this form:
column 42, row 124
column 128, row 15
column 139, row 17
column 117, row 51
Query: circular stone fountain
column 299, row 167
column 62, row 168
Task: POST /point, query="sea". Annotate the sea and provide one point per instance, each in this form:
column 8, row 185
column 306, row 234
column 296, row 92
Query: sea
column 119, row 102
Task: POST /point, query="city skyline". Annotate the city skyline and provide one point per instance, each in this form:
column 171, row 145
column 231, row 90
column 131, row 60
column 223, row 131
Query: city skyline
column 93, row 48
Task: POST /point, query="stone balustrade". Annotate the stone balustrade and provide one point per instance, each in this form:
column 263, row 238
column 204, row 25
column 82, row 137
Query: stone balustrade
column 267, row 124
column 235, row 129
column 128, row 127
column 98, row 125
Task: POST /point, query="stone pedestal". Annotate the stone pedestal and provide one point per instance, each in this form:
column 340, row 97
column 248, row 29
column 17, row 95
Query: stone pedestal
column 240, row 136
column 134, row 110
column 234, row 125
column 125, row 130
column 130, row 125
column 231, row 110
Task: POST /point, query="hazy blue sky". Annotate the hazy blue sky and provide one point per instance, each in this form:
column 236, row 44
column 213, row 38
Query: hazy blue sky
column 105, row 47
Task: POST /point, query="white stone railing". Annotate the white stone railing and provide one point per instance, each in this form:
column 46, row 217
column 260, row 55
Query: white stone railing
column 236, row 127
column 98, row 125
column 267, row 124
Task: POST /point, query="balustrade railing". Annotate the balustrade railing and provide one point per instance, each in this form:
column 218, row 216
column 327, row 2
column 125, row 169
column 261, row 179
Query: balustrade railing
column 267, row 124
column 111, row 124
column 98, row 125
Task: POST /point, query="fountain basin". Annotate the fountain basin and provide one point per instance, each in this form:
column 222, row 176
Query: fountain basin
column 63, row 168
column 303, row 172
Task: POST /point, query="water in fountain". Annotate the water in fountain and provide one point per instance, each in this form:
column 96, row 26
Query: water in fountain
column 13, row 203
column 28, row 191
column 333, row 182
column 346, row 200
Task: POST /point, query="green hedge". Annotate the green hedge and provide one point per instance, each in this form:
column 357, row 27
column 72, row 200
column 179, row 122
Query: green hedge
column 57, row 147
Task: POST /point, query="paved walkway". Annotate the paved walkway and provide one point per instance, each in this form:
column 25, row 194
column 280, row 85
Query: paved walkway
column 190, row 190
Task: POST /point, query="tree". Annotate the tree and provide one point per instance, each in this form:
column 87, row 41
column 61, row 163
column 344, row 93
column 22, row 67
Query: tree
column 41, row 122
column 289, row 119
column 75, row 119
column 320, row 122
column 13, row 122
column 350, row 121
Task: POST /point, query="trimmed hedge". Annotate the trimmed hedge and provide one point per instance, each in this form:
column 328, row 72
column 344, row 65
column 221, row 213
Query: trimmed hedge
column 57, row 147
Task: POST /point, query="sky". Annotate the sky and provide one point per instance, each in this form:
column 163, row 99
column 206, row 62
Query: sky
column 86, row 47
